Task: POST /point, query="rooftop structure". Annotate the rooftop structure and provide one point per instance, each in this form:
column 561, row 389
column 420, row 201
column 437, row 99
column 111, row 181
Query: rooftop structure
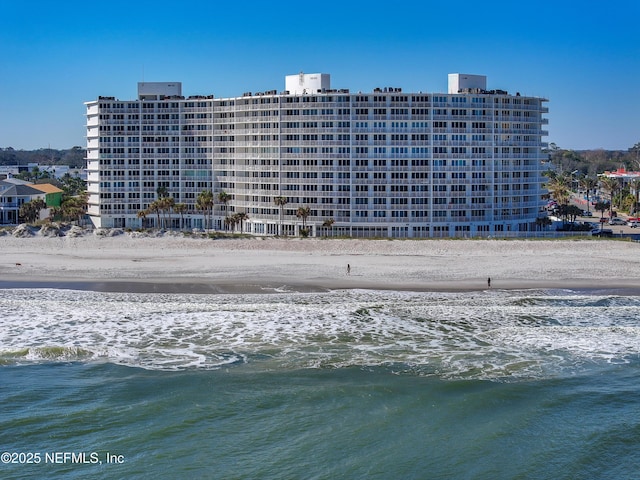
column 463, row 83
column 303, row 84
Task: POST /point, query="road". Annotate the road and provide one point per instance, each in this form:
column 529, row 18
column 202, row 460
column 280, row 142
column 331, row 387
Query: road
column 617, row 229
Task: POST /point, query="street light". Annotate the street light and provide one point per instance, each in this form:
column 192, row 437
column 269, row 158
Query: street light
column 574, row 180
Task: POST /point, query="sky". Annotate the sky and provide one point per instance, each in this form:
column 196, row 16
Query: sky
column 584, row 57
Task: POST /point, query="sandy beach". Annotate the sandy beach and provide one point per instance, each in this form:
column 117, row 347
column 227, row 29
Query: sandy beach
column 132, row 261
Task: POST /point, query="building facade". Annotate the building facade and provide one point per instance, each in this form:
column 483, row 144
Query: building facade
column 14, row 193
column 379, row 164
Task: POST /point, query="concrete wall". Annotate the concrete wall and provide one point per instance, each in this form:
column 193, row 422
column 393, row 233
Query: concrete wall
column 307, row 83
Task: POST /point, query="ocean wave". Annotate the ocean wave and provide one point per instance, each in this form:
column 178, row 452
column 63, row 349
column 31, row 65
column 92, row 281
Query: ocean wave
column 483, row 335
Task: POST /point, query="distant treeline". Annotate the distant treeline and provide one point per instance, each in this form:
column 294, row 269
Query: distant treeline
column 74, row 157
column 589, row 163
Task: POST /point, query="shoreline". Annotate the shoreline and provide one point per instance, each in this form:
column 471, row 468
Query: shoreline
column 214, row 288
column 174, row 264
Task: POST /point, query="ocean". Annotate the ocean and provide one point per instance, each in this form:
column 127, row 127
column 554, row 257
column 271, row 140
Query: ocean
column 347, row 384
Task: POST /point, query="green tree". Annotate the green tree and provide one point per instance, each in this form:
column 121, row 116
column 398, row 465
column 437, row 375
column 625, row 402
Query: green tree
column 572, row 212
column 154, row 208
column 229, row 222
column 601, row 207
column 204, row 203
column 611, row 186
column 589, row 185
column 328, row 224
column 180, row 209
column 241, row 217
column 223, row 199
column 627, row 201
column 280, row 202
column 74, row 208
column 543, row 222
column 162, row 191
column 29, row 212
column 559, row 186
column 303, row 213
column 166, row 204
column 142, row 214
column 72, row 185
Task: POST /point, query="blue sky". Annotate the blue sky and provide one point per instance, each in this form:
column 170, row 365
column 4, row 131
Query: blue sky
column 583, row 57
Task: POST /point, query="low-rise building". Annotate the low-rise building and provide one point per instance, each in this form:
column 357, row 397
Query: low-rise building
column 12, row 196
column 53, row 194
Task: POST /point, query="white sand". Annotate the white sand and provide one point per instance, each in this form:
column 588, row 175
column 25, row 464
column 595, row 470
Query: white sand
column 317, row 263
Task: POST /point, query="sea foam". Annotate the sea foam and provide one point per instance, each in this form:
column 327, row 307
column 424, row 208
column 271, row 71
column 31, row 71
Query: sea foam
column 493, row 334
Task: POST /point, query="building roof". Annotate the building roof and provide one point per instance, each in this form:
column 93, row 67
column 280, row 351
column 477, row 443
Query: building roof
column 21, row 191
column 46, row 188
column 621, row 173
column 16, row 181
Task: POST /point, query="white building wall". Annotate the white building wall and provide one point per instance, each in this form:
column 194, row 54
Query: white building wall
column 152, row 90
column 458, row 82
column 379, row 164
column 307, row 83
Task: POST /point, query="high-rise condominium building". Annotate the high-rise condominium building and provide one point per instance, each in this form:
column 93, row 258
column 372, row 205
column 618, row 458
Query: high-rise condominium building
column 384, row 163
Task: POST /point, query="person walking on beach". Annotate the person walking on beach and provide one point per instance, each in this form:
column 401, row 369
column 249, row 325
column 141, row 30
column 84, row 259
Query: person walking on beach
column 489, row 282
column 348, row 269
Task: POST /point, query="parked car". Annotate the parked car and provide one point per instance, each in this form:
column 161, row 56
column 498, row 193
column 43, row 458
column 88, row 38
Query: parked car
column 587, row 213
column 617, row 221
column 602, row 233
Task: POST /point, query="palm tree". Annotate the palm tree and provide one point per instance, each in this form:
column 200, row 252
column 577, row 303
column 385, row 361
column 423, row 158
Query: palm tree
column 610, row 185
column 241, row 217
column 55, row 212
column 588, row 184
column 35, row 173
column 223, row 198
column 204, row 203
column 162, row 191
column 280, row 202
column 229, row 222
column 154, row 207
column 303, row 213
column 559, row 188
column 30, row 211
column 635, row 187
column 180, row 208
column 143, row 215
column 601, row 207
column 328, row 223
column 573, row 212
column 167, row 204
column 72, row 185
column 543, row 222
column 74, row 208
